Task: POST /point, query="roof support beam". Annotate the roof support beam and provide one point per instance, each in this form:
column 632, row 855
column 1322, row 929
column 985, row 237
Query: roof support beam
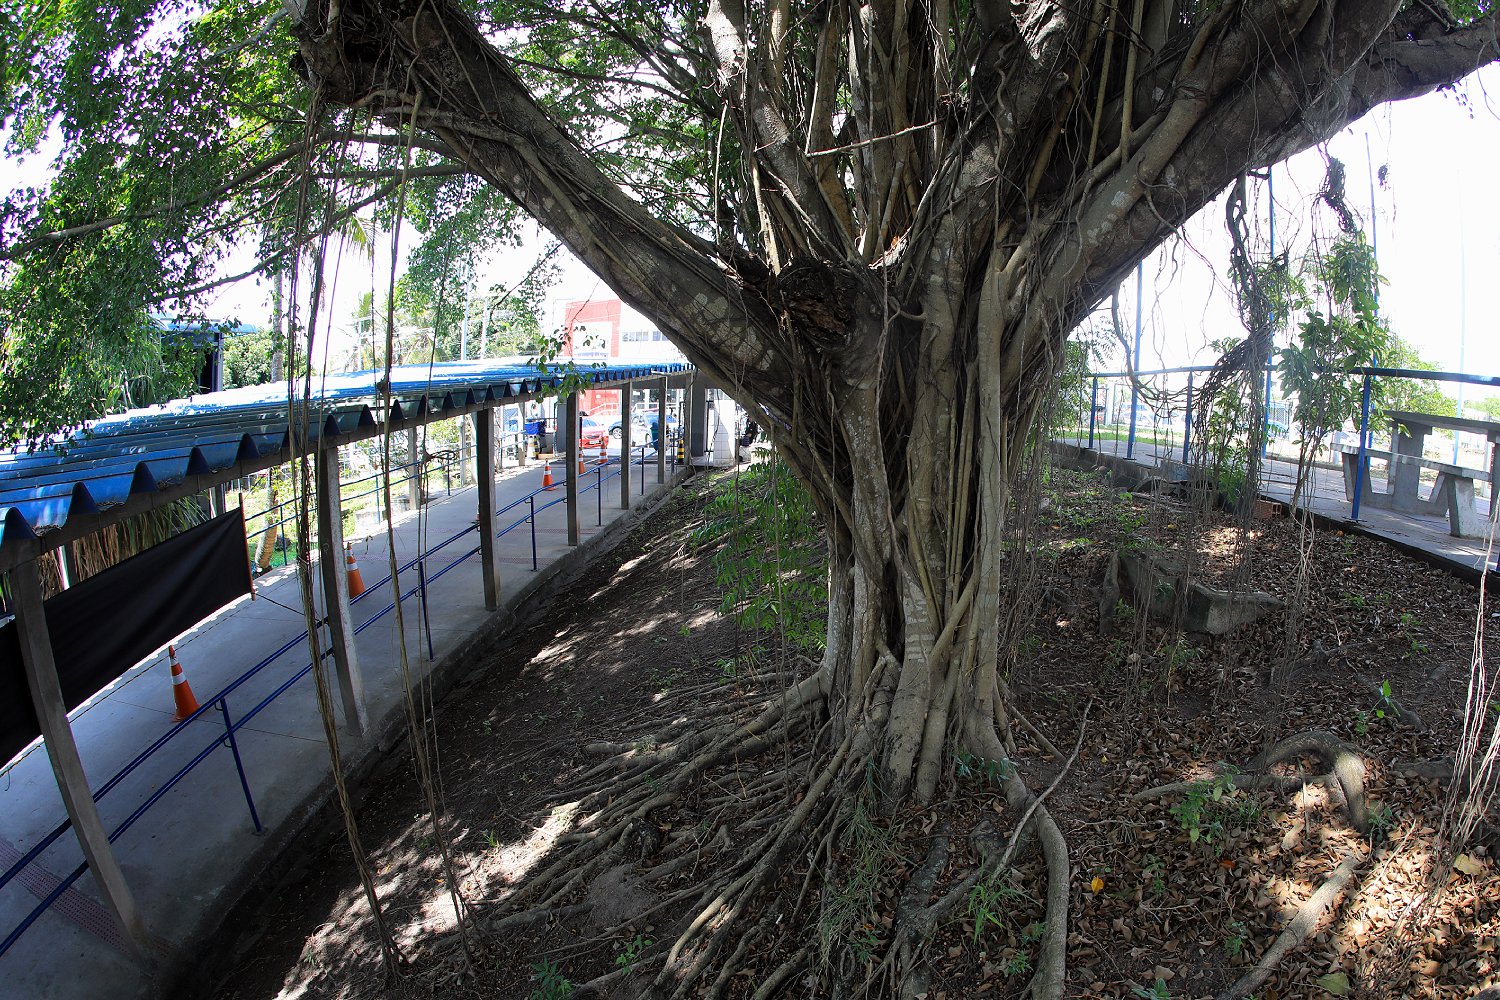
column 484, row 462
column 625, row 420
column 51, row 713
column 661, row 430
column 570, row 415
column 332, row 568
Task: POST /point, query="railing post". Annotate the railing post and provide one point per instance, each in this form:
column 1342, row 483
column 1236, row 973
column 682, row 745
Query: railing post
column 532, row 499
column 52, row 716
column 599, row 491
column 336, row 589
column 1187, row 421
column 1093, row 409
column 625, row 447
column 413, row 471
column 1362, row 462
column 484, row 443
column 234, row 748
column 570, row 411
column 661, row 431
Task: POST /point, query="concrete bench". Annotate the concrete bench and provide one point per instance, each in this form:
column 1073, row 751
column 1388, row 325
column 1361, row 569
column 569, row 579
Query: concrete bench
column 1452, row 494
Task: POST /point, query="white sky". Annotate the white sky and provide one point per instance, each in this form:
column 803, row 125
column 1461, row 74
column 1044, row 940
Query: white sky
column 1435, row 227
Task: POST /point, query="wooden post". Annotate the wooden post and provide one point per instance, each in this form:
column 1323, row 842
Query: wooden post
column 414, row 470
column 51, row 713
column 484, row 443
column 625, row 447
column 661, row 431
column 570, row 415
column 334, row 571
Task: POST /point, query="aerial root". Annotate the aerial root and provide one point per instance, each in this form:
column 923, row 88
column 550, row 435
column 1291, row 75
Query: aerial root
column 1344, row 778
column 1302, row 925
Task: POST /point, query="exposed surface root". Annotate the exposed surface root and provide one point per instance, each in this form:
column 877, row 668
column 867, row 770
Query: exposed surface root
column 1302, row 925
column 1344, row 779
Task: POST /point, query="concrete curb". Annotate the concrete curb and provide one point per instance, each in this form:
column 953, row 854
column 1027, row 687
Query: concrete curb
column 234, row 923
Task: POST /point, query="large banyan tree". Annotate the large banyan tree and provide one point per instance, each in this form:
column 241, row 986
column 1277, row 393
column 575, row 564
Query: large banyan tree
column 874, row 224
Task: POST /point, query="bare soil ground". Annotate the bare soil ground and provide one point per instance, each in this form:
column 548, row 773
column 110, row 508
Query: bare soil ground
column 1181, row 890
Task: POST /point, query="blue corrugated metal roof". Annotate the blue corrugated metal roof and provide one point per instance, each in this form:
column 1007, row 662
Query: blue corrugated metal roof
column 140, row 451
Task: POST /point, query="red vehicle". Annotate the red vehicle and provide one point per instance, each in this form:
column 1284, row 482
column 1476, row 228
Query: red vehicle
column 592, row 433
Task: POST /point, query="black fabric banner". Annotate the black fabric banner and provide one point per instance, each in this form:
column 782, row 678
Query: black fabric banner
column 103, row 626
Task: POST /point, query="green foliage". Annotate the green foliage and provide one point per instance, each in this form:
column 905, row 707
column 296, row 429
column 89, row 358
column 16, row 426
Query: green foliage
column 849, row 915
column 1207, row 808
column 770, row 565
column 1412, row 395
column 632, row 953
column 553, row 984
column 247, row 358
column 1158, row 991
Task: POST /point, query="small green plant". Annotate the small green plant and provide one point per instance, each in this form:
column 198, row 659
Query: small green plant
column 553, row 984
column 1409, row 623
column 1158, row 991
column 970, row 766
column 578, row 714
column 632, row 953
column 1355, row 601
column 492, row 837
column 1234, row 940
column 984, row 906
column 1034, row 932
column 1154, row 871
column 1026, row 649
column 865, row 942
column 1203, row 805
column 1018, row 965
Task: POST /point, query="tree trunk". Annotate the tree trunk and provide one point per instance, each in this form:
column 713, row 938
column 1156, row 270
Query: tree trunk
column 896, row 324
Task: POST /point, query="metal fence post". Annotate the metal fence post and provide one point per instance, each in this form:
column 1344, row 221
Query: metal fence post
column 1362, row 461
column 532, row 500
column 1187, row 421
column 1093, row 409
column 234, row 748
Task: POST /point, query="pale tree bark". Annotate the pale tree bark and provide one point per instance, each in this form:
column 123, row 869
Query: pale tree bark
column 925, row 204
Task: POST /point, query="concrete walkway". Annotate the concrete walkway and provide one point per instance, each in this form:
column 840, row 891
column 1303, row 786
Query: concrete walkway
column 1415, row 531
column 193, row 853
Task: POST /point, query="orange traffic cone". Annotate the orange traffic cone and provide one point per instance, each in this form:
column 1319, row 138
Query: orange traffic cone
column 356, row 581
column 547, row 477
column 581, row 461
column 603, row 455
column 182, row 692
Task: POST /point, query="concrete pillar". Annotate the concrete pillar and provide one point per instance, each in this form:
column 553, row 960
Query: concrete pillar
column 52, row 715
column 570, row 432
column 661, row 430
column 484, row 443
column 625, row 444
column 697, row 404
column 463, row 452
column 1405, row 476
column 414, row 470
column 334, row 571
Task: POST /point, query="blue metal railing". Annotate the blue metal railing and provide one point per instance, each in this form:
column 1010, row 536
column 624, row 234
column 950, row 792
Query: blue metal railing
column 220, row 702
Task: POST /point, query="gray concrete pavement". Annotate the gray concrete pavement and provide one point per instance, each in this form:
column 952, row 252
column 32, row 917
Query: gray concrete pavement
column 196, row 848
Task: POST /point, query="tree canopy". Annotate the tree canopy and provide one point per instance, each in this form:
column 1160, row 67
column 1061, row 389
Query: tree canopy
column 874, row 224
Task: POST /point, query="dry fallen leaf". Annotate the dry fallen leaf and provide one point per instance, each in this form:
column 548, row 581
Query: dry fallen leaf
column 1098, row 884
column 1468, row 865
column 1336, row 983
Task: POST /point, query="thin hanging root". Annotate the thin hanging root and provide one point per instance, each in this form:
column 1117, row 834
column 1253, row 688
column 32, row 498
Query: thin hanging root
column 1303, row 924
